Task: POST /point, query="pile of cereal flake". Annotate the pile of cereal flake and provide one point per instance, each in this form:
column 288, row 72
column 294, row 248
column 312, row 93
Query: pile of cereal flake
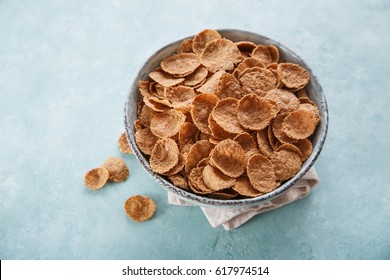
column 225, row 119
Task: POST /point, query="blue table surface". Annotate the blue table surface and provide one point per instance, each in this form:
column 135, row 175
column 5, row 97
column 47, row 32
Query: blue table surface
column 65, row 69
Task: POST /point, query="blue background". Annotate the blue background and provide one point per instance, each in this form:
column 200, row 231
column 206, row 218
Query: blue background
column 65, row 68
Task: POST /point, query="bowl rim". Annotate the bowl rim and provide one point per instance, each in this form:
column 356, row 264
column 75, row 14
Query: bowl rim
column 231, row 203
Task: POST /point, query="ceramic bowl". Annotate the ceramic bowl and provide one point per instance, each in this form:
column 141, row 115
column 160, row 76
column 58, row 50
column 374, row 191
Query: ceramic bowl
column 314, row 91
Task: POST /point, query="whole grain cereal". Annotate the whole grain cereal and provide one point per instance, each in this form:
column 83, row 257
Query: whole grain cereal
column 248, row 143
column 229, row 157
column 258, row 82
column 229, row 86
column 165, row 155
column 266, row 54
column 96, row 178
column 255, row 113
column 197, row 77
column 220, row 54
column 140, row 208
column 293, row 76
column 215, row 179
column 201, row 108
column 225, row 119
column 181, row 64
column 261, row 173
column 286, row 164
column 299, row 124
column 244, row 187
column 123, row 145
column 196, row 181
column 117, row 169
column 203, row 38
column 167, row 124
column 225, row 115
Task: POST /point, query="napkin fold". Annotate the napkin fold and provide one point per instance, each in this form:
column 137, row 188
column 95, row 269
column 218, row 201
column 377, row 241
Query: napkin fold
column 235, row 217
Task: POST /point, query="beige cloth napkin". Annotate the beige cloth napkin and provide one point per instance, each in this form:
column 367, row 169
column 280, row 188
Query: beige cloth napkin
column 233, row 218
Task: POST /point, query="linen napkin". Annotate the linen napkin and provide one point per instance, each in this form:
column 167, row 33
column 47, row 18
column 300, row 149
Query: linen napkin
column 233, row 218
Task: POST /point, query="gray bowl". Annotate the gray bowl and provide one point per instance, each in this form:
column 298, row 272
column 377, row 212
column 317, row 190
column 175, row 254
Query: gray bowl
column 314, row 91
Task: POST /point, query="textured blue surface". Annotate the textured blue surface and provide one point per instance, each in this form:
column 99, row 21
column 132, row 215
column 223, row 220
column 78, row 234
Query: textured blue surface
column 65, row 68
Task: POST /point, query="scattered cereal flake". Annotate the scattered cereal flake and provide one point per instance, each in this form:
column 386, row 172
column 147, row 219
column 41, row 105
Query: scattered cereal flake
column 145, row 140
column 202, row 38
column 140, row 208
column 180, row 96
column 196, row 182
column 248, row 143
column 185, row 46
column 181, row 64
column 293, row 76
column 258, row 82
column 256, row 113
column 96, row 178
column 117, row 169
column 229, row 157
column 267, row 54
column 286, row 164
column 306, row 148
column 197, row 77
column 220, row 54
column 211, row 84
column 287, row 101
column 215, row 179
column 278, row 132
column 123, row 144
column 202, row 106
column 165, row 155
column 228, row 86
column 244, row 187
column 164, row 78
column 179, row 181
column 299, row 124
column 198, row 151
column 261, row 173
column 225, row 115
column 167, row 124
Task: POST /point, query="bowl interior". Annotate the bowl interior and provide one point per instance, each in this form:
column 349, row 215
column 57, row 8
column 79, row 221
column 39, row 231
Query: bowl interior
column 314, row 91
